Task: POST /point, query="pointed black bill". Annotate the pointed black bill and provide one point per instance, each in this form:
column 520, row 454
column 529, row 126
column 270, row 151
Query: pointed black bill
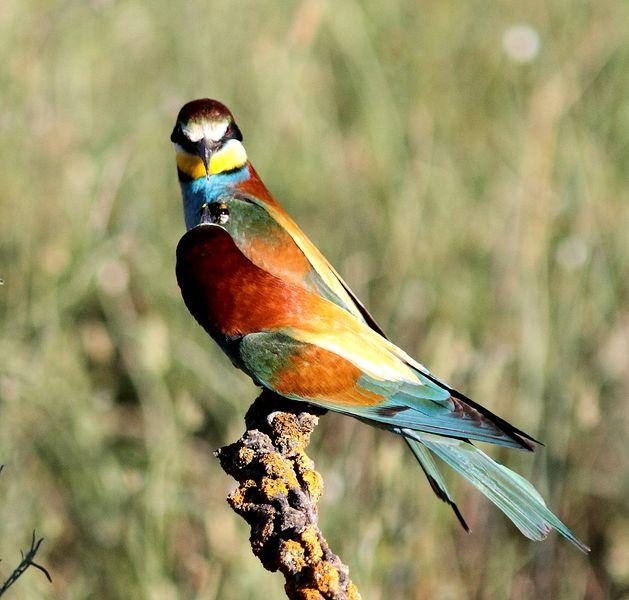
column 206, row 155
column 204, row 150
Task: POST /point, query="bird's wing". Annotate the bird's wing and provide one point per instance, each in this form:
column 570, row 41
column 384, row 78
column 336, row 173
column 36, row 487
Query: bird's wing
column 337, row 362
column 326, row 272
column 268, row 243
column 322, row 267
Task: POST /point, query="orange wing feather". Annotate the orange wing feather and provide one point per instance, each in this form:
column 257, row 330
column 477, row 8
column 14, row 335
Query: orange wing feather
column 315, row 373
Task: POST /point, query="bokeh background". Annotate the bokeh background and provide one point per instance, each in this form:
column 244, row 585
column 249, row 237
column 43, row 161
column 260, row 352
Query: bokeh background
column 463, row 164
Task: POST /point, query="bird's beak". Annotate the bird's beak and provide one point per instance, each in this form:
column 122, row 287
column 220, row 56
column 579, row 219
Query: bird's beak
column 206, row 149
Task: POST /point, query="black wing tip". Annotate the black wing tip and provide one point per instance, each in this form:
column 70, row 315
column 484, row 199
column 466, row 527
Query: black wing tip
column 525, row 444
column 526, row 441
column 523, row 439
column 517, row 435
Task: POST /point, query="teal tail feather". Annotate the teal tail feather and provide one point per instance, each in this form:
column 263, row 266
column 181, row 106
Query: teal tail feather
column 437, row 483
column 510, row 492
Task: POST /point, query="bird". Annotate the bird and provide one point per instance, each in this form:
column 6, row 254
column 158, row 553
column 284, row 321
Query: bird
column 213, row 169
column 273, row 303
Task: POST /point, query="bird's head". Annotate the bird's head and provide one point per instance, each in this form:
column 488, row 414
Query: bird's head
column 207, row 140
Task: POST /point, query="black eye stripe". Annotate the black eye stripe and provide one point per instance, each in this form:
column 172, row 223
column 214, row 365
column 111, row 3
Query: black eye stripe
column 233, row 132
column 178, row 137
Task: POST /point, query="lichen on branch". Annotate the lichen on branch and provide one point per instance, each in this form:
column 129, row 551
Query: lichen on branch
column 277, row 495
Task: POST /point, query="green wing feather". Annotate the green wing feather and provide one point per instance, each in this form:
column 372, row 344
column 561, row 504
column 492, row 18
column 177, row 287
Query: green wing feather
column 420, row 405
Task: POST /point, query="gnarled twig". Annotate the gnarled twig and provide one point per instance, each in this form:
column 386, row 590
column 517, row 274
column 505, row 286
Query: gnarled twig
column 28, row 560
column 278, row 495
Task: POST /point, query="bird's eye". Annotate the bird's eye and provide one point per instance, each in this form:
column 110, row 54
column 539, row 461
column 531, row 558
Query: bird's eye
column 233, row 132
column 219, row 213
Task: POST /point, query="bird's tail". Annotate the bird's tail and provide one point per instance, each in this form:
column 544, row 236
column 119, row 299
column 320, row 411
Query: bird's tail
column 436, row 481
column 510, row 492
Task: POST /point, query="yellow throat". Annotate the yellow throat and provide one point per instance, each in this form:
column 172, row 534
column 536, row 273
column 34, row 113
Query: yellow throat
column 231, row 156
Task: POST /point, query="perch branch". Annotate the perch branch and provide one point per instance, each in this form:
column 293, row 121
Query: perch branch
column 277, row 495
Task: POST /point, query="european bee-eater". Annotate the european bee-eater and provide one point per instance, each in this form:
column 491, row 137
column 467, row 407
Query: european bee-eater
column 213, row 169
column 284, row 316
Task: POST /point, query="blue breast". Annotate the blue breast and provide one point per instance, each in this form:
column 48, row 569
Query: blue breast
column 196, row 193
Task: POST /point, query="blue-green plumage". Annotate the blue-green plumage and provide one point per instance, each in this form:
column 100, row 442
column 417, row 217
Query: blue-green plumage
column 198, row 192
column 434, row 419
column 510, row 492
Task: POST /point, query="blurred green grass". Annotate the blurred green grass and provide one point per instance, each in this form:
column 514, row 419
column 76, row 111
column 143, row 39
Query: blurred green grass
column 477, row 203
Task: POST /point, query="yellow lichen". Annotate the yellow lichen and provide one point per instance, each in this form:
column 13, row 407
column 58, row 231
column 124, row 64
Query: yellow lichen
column 288, row 431
column 292, row 555
column 314, row 484
column 267, row 530
column 239, row 496
column 279, row 467
column 311, row 543
column 245, row 455
column 309, row 594
column 327, row 578
column 303, row 461
column 272, row 487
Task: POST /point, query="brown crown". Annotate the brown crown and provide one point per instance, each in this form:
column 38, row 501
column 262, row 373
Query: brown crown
column 204, row 109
